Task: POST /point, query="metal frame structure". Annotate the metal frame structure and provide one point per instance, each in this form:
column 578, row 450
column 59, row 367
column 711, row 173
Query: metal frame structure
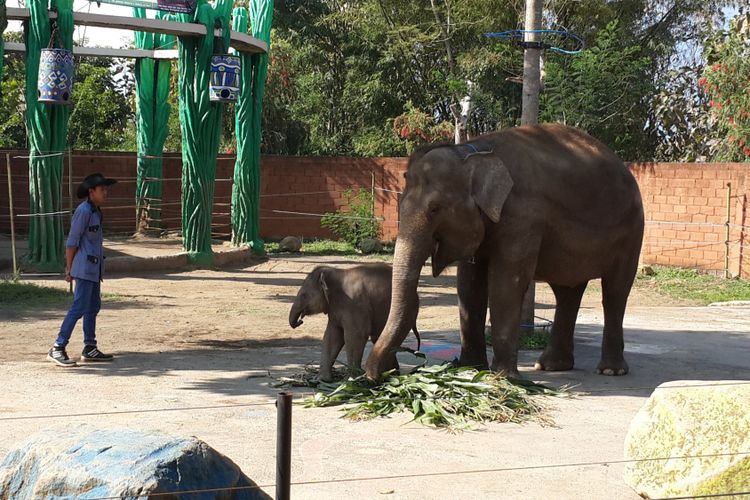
column 242, row 42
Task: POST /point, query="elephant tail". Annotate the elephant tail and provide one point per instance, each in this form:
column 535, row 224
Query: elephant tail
column 416, row 334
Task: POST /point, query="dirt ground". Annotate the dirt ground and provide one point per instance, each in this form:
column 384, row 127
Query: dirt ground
column 206, row 338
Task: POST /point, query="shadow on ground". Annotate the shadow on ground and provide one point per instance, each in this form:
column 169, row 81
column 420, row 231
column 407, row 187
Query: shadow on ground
column 654, row 357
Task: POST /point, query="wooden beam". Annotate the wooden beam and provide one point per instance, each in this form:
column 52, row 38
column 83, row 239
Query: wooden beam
column 13, row 47
column 240, row 41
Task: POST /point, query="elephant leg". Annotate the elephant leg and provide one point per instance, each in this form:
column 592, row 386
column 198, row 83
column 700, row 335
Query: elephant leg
column 558, row 355
column 333, row 341
column 472, row 307
column 355, row 340
column 506, row 291
column 615, row 290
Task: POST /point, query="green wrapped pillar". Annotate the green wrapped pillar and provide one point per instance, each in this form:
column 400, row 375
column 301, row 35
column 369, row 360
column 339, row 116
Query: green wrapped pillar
column 152, row 118
column 47, row 130
column 246, row 187
column 3, row 25
column 200, row 122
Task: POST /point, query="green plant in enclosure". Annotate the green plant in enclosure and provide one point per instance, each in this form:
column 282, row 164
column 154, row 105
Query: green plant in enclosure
column 440, row 396
column 726, row 82
column 356, row 220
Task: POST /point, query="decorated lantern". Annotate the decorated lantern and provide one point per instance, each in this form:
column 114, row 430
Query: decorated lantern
column 55, row 84
column 225, row 78
column 184, row 6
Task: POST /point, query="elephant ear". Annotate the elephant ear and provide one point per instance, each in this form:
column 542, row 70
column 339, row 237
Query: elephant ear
column 490, row 183
column 323, row 284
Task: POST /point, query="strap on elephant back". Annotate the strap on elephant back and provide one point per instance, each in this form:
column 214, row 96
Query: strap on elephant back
column 468, row 149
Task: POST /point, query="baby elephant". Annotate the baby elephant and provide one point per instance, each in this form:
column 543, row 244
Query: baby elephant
column 357, row 302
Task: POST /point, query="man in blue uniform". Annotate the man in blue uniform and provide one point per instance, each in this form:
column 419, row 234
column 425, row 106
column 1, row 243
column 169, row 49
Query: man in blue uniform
column 84, row 262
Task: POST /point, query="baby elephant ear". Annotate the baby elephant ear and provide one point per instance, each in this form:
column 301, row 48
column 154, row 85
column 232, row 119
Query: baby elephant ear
column 323, row 284
column 490, row 184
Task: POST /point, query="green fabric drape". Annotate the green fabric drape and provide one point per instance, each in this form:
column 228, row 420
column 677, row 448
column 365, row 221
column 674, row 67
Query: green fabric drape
column 3, row 25
column 152, row 118
column 200, row 122
column 248, row 122
column 47, row 129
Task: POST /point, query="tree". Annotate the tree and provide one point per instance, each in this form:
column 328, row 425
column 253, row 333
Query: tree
column 100, row 114
column 602, row 91
column 727, row 82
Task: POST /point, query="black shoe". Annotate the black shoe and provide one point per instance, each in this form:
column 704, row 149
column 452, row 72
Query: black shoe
column 92, row 354
column 58, row 356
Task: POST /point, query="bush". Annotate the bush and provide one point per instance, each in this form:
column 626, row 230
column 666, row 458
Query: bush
column 356, row 220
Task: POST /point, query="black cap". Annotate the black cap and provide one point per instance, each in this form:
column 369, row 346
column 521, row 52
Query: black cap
column 91, row 181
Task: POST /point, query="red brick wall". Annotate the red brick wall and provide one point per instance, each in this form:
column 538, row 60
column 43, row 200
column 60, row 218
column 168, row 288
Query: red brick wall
column 685, row 203
column 686, row 214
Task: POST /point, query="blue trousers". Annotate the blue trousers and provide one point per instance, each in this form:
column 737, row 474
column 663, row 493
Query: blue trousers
column 87, row 302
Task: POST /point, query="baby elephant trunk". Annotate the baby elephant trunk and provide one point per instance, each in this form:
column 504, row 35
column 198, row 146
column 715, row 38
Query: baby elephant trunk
column 296, row 314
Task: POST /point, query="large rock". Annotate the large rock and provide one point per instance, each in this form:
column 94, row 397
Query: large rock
column 290, row 244
column 88, row 463
column 690, row 421
column 370, row 245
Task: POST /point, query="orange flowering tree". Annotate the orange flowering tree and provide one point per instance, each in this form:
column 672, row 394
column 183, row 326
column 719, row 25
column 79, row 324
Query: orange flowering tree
column 726, row 81
column 415, row 127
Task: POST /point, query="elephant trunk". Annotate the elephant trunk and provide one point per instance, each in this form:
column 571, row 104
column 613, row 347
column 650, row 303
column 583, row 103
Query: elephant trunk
column 296, row 314
column 408, row 259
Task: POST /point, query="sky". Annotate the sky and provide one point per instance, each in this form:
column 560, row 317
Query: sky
column 97, row 37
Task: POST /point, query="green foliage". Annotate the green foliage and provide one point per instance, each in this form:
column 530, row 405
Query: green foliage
column 416, row 128
column 601, row 91
column 726, row 83
column 695, row 285
column 15, row 293
column 100, row 114
column 529, row 340
column 356, row 220
column 440, row 396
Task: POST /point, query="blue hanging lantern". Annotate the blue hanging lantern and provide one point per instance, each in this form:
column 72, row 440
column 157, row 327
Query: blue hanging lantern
column 225, row 78
column 55, row 83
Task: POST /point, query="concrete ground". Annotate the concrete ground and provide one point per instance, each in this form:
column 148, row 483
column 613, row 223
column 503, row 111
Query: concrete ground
column 209, row 338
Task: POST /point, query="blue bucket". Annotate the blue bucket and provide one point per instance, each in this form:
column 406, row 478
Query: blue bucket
column 225, row 78
column 55, row 83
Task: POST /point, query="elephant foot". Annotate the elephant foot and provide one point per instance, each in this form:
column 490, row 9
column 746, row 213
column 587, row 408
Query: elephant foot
column 612, row 368
column 473, row 362
column 505, row 370
column 554, row 362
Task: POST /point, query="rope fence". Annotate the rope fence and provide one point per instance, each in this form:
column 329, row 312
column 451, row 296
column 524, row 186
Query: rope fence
column 161, row 213
column 283, row 455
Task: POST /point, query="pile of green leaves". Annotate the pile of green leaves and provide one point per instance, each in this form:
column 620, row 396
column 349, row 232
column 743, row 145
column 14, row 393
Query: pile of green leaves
column 309, row 377
column 442, row 396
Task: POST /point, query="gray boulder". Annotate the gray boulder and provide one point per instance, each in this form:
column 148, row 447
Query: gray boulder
column 370, row 245
column 86, row 462
column 290, row 244
column 708, row 419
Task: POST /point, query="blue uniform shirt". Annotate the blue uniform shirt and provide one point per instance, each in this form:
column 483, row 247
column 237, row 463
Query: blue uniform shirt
column 86, row 235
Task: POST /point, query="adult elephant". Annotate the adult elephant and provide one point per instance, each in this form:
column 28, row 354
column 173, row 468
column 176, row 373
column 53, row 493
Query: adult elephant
column 546, row 203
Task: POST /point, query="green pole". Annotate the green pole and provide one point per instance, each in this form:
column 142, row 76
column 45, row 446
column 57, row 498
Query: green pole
column 47, row 129
column 246, row 187
column 3, row 25
column 152, row 118
column 200, row 122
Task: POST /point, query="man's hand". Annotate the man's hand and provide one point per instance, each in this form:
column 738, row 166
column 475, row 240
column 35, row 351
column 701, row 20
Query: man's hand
column 68, row 277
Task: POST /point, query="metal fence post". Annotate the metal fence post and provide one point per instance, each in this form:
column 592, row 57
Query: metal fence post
column 283, row 445
column 726, row 232
column 10, row 211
